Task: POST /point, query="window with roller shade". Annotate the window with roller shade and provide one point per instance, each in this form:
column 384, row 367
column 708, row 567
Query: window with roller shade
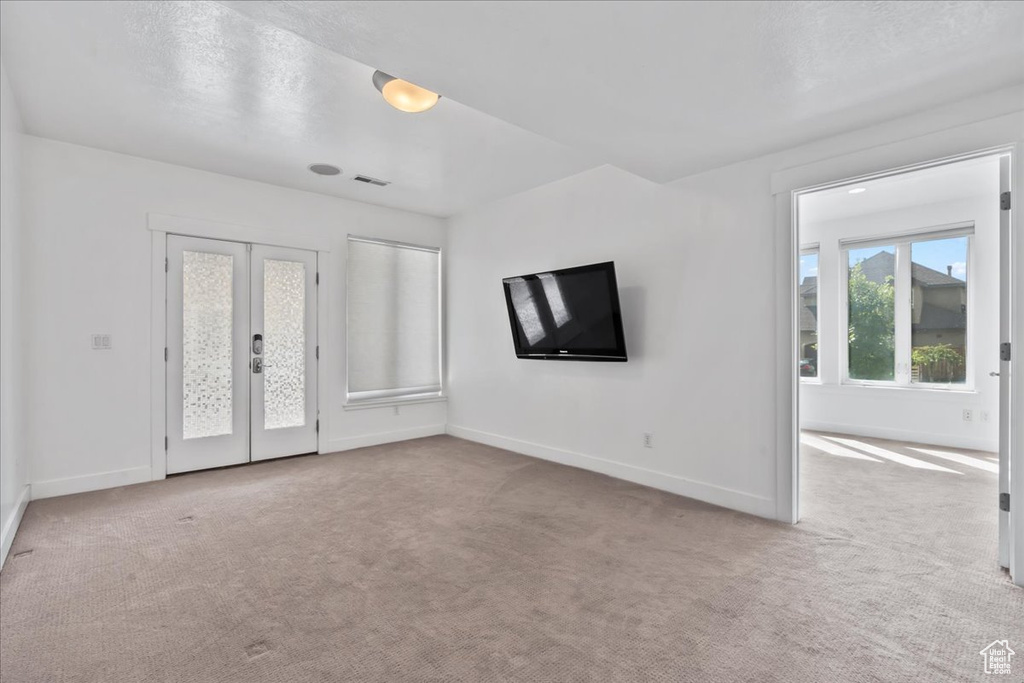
column 394, row 320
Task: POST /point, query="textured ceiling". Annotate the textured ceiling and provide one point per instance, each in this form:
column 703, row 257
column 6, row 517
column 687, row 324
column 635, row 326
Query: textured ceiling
column 532, row 91
column 200, row 85
column 665, row 89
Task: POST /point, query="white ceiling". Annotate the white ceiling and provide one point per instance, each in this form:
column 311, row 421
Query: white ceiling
column 532, row 91
column 666, row 89
column 201, row 85
column 962, row 180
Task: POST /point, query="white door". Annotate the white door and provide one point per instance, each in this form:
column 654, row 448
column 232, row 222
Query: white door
column 1005, row 255
column 241, row 353
column 207, row 353
column 283, row 378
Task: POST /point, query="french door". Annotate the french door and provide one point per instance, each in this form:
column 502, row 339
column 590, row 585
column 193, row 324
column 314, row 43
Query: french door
column 241, row 353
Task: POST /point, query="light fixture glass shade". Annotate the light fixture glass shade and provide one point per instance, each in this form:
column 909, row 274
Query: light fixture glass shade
column 403, row 95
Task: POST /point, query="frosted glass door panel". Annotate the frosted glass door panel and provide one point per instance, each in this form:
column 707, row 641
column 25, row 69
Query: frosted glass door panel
column 283, row 319
column 284, row 344
column 206, row 347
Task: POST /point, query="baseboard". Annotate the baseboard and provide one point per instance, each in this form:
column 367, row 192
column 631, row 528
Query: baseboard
column 90, row 482
column 974, row 443
column 709, row 493
column 12, row 523
column 364, row 440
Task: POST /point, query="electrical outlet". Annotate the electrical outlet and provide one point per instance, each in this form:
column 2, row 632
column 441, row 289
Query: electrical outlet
column 648, row 440
column 984, row 416
column 968, row 415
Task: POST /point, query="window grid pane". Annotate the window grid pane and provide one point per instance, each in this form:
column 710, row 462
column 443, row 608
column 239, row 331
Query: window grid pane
column 808, row 286
column 939, row 311
column 871, row 313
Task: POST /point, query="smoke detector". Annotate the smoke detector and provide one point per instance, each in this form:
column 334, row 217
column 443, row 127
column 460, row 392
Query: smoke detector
column 324, row 169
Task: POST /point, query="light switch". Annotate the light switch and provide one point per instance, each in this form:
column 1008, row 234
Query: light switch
column 101, row 342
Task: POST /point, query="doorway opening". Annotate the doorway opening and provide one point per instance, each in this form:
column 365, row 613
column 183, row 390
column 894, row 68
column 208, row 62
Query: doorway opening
column 241, row 353
column 903, row 395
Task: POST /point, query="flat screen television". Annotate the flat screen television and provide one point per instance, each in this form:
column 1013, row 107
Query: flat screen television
column 568, row 314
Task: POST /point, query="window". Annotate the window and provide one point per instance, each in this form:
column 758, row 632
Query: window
column 871, row 320
column 938, row 337
column 394, row 320
column 906, row 309
column 808, row 288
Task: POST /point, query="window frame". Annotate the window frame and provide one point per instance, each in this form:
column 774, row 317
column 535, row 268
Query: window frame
column 902, row 242
column 805, row 249
column 395, row 397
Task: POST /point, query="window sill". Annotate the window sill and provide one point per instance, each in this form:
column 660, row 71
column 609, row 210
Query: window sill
column 916, row 388
column 396, row 401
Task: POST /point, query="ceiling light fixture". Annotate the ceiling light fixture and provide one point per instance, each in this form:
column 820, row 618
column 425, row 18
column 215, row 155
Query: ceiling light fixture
column 324, row 169
column 403, row 95
column 858, row 190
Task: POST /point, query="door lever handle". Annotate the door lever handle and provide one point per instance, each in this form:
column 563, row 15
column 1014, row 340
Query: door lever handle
column 993, row 374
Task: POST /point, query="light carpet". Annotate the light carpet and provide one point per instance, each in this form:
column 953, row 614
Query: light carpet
column 444, row 560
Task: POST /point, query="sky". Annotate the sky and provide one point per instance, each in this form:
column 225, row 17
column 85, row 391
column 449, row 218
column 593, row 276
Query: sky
column 934, row 254
column 937, row 254
column 808, row 266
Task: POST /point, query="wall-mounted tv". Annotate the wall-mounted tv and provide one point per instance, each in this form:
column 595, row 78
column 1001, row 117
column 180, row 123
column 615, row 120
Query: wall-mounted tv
column 568, row 314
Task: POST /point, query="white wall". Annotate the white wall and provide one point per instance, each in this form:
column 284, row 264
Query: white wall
column 697, row 271
column 927, row 416
column 691, row 380
column 13, row 461
column 88, row 268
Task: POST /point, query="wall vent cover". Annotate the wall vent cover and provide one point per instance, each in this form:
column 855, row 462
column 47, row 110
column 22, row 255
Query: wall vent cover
column 371, row 181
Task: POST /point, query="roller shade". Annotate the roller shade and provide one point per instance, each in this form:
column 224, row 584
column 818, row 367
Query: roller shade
column 394, row 319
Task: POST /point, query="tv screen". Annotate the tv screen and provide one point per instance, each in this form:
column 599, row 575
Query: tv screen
column 569, row 314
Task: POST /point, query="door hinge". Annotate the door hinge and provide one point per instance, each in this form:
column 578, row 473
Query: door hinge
column 1004, row 201
column 1004, row 351
column 318, row 353
column 165, row 354
column 318, row 278
column 165, row 443
column 318, row 425
column 1004, row 502
column 167, row 265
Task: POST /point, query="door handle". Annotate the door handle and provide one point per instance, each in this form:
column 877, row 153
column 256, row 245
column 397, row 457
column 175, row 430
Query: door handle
column 258, row 365
column 993, row 374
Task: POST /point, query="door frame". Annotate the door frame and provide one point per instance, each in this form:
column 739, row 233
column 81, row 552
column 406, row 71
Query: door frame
column 160, row 226
column 1000, row 135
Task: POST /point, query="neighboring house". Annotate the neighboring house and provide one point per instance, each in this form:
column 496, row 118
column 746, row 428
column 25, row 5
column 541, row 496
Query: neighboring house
column 939, row 313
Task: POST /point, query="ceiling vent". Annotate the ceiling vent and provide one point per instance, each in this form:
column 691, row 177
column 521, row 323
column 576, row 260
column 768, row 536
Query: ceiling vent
column 371, row 181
